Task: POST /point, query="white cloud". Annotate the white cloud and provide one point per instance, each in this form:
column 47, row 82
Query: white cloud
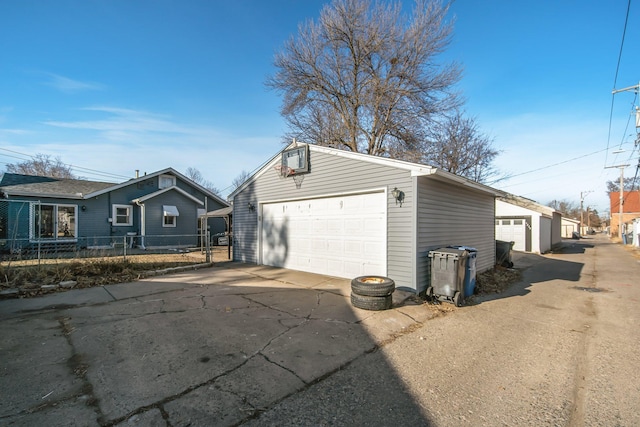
column 67, row 85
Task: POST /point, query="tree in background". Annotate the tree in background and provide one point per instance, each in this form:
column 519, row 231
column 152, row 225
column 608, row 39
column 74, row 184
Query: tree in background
column 570, row 210
column 364, row 77
column 456, row 145
column 240, row 179
column 194, row 175
column 42, row 165
column 630, row 184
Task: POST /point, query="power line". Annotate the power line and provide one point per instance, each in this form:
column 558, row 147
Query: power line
column 615, row 79
column 547, row 167
column 73, row 167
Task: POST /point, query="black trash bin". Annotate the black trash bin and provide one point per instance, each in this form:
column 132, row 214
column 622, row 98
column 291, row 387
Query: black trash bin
column 447, row 275
column 503, row 253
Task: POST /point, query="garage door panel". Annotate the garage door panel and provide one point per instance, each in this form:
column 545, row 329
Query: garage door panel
column 512, row 230
column 338, row 236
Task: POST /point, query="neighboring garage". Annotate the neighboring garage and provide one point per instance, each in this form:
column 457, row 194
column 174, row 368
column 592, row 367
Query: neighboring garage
column 345, row 214
column 531, row 226
column 516, row 230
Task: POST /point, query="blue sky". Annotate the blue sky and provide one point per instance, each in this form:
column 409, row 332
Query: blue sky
column 115, row 86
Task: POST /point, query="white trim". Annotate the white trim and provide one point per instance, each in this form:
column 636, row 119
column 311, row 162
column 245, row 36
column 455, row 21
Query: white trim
column 114, row 216
column 165, row 176
column 385, row 190
column 145, row 177
column 416, row 169
column 170, row 210
column 164, row 190
column 325, row 195
column 173, row 222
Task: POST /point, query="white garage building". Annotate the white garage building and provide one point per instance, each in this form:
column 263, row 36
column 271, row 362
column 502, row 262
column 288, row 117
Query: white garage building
column 531, row 226
column 345, row 214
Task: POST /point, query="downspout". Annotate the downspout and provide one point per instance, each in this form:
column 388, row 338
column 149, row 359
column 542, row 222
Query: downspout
column 142, row 224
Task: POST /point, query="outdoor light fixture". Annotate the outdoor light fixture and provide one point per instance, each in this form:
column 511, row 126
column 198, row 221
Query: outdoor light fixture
column 252, row 207
column 84, row 208
column 398, row 195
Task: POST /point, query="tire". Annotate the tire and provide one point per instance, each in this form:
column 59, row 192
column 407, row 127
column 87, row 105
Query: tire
column 371, row 303
column 373, row 286
column 430, row 292
column 457, row 299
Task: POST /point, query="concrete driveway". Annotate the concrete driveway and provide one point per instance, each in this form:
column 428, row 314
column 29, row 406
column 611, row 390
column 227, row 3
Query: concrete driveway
column 216, row 346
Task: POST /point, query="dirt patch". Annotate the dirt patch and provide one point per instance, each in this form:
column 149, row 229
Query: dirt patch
column 497, row 280
column 23, row 279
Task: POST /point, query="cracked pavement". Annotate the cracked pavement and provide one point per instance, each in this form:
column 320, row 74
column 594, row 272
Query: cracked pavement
column 214, row 346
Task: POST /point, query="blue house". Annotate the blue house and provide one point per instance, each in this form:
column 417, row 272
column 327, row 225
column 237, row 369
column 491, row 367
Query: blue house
column 162, row 209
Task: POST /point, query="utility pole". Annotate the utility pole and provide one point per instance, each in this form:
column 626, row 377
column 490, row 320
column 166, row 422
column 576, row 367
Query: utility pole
column 583, row 194
column 634, row 88
column 621, row 196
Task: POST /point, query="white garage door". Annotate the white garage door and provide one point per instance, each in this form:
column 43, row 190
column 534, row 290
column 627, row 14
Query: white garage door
column 512, row 230
column 337, row 236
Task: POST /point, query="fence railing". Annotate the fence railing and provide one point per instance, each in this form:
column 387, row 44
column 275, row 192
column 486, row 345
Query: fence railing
column 109, row 246
column 32, row 231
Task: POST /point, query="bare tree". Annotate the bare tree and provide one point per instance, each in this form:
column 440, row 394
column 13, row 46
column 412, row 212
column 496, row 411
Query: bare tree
column 629, row 184
column 194, row 175
column 457, row 145
column 365, row 76
column 42, row 165
column 240, row 179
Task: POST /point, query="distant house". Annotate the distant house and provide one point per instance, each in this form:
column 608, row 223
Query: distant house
column 630, row 209
column 346, row 214
column 158, row 209
column 531, row 226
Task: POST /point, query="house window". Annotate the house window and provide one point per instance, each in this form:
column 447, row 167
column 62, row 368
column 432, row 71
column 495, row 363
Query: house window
column 169, row 216
column 53, row 221
column 167, row 181
column 122, row 215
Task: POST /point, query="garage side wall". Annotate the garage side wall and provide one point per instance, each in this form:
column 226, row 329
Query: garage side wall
column 452, row 215
column 331, row 175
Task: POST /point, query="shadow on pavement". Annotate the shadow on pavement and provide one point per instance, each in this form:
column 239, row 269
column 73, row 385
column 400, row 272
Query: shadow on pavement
column 549, row 268
column 226, row 353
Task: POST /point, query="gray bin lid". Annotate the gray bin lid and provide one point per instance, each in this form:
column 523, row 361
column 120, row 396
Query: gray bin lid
column 448, row 253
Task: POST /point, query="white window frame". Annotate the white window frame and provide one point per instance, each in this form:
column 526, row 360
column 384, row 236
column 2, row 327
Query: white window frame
column 173, row 222
column 114, row 216
column 162, row 178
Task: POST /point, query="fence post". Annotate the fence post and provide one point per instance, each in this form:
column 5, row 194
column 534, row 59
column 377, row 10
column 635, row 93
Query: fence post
column 208, row 246
column 124, row 247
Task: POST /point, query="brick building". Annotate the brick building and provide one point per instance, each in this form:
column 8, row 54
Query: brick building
column 630, row 208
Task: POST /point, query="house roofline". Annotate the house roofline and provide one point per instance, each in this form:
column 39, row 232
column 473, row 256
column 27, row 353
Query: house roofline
column 78, row 196
column 164, row 190
column 206, row 191
column 415, row 169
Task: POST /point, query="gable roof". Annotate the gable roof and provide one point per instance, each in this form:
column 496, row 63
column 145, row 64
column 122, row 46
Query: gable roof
column 416, row 169
column 167, row 171
column 42, row 186
column 523, row 202
column 164, row 190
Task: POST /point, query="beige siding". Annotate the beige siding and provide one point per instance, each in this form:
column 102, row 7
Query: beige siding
column 332, row 175
column 453, row 215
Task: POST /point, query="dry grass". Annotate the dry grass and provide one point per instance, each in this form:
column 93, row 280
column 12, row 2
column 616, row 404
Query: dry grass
column 31, row 279
column 496, row 280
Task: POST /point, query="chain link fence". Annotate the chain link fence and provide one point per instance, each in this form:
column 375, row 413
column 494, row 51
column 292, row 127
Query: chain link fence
column 25, row 235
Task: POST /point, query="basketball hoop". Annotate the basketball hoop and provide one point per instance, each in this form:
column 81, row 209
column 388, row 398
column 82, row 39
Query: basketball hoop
column 284, row 171
column 298, row 180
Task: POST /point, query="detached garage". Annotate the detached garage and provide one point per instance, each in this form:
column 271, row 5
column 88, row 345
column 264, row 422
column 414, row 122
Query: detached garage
column 345, row 214
column 531, row 226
